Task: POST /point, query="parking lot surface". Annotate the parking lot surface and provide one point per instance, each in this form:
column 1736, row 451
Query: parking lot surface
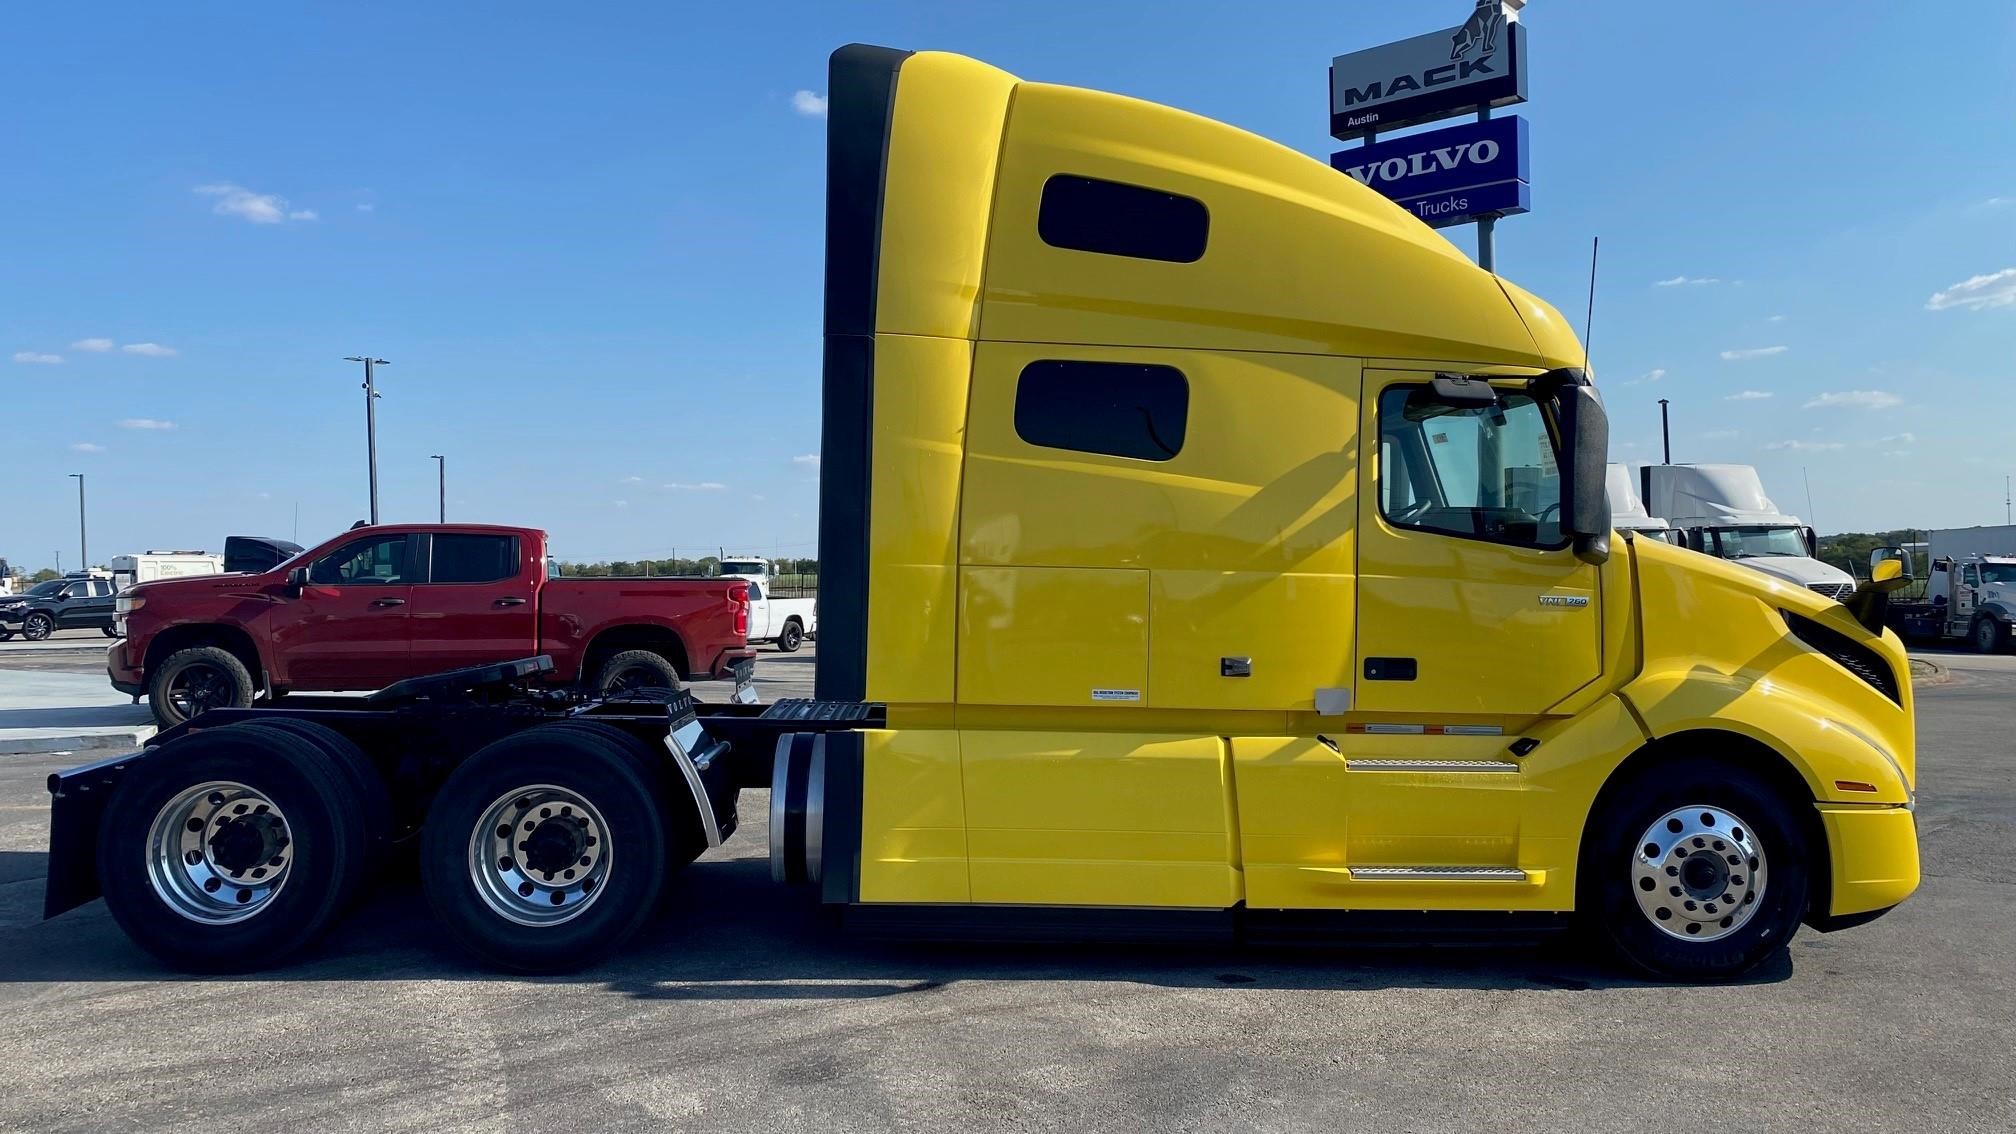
column 741, row 1009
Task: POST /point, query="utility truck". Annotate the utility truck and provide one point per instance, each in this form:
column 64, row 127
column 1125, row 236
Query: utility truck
column 1972, row 598
column 1724, row 512
column 150, row 566
column 1186, row 576
column 785, row 622
column 1627, row 510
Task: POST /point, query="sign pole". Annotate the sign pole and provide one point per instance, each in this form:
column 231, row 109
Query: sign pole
column 1487, row 226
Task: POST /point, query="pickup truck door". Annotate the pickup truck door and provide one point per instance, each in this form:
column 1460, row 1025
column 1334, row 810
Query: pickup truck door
column 88, row 604
column 478, row 601
column 348, row 628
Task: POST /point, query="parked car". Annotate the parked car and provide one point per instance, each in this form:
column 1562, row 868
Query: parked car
column 59, row 604
column 380, row 604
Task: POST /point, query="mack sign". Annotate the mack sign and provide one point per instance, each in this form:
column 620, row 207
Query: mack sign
column 1451, row 175
column 1411, row 81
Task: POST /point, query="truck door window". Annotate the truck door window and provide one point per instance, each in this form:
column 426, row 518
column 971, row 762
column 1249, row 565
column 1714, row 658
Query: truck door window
column 1119, row 409
column 376, row 561
column 1970, row 575
column 1482, row 472
column 463, row 558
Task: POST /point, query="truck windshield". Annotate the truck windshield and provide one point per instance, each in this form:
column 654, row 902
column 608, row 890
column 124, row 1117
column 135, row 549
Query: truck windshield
column 741, row 567
column 1748, row 542
column 1998, row 572
column 48, row 588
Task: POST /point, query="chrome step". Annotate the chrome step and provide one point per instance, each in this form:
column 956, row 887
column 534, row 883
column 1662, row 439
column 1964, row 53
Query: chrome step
column 1437, row 874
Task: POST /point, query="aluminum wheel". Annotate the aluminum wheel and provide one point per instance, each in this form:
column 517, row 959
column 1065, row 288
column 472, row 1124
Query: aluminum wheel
column 218, row 852
column 539, row 855
column 197, row 689
column 1698, row 873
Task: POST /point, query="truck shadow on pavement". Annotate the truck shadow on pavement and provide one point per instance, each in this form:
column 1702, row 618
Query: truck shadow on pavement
column 729, row 933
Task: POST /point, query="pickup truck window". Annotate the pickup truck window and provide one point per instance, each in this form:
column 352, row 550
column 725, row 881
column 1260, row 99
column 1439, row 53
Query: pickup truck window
column 464, row 558
column 755, row 591
column 1120, row 409
column 1481, row 472
column 375, row 561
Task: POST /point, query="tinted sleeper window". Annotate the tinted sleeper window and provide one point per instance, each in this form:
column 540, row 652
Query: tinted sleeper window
column 1090, row 215
column 1118, row 408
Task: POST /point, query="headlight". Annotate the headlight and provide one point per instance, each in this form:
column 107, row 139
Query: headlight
column 125, row 605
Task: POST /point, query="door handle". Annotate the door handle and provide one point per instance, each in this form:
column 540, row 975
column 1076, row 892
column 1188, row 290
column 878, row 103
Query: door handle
column 388, row 602
column 509, row 602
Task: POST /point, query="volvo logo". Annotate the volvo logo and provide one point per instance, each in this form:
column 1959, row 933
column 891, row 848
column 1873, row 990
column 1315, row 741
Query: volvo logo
column 1481, row 152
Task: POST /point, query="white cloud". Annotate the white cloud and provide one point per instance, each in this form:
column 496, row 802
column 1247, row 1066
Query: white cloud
column 1687, row 281
column 619, row 503
column 259, row 208
column 146, row 423
column 808, row 459
column 150, row 350
column 1977, row 293
column 96, row 346
column 1998, row 202
column 1898, row 439
column 1752, row 352
column 1748, row 396
column 1806, row 446
column 809, row 103
column 1775, row 319
column 1647, row 378
column 37, row 358
column 702, row 486
column 1721, row 434
column 633, row 480
column 367, row 207
column 1896, row 452
column 86, row 447
column 1859, row 399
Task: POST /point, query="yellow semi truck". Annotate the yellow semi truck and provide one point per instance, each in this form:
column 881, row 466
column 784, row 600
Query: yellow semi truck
column 1207, row 549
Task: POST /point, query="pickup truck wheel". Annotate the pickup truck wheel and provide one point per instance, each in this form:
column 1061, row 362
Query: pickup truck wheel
column 38, row 626
column 791, row 637
column 1988, row 635
column 231, row 849
column 109, row 632
column 1695, row 873
column 5, row 634
column 546, row 850
column 191, row 682
column 635, row 669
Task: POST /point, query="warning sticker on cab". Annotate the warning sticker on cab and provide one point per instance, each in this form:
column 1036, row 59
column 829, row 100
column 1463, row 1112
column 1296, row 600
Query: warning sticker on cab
column 1116, row 694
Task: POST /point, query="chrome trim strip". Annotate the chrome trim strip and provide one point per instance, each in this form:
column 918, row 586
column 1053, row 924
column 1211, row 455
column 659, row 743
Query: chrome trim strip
column 708, row 823
column 1437, row 874
column 1383, row 765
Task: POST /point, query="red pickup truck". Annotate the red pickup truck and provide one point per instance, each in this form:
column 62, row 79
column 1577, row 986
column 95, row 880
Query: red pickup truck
column 380, row 604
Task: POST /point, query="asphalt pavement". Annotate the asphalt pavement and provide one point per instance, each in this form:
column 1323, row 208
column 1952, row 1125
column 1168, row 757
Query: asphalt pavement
column 742, row 1009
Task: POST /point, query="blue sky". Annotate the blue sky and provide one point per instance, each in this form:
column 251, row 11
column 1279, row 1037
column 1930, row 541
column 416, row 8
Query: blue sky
column 588, row 238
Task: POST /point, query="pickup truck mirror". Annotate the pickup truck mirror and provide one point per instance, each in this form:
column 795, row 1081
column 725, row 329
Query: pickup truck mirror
column 297, row 581
column 1585, row 435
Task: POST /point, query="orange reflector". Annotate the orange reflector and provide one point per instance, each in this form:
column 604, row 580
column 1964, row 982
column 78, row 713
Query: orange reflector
column 1854, row 785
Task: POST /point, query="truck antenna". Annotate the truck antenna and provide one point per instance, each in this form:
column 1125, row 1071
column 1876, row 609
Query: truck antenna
column 1809, row 496
column 1589, row 319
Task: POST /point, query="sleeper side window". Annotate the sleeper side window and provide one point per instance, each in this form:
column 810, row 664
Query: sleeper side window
column 1110, row 217
column 1119, row 409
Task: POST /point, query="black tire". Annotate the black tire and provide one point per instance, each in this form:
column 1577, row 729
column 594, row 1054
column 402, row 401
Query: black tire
column 1610, row 902
column 38, row 626
column 791, row 637
column 686, row 840
column 5, row 634
column 323, row 833
column 1988, row 635
column 210, row 677
column 109, row 632
column 635, row 669
column 374, row 799
column 463, row 880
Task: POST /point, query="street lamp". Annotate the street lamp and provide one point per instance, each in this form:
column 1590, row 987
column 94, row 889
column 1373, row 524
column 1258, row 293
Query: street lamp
column 441, row 468
column 370, row 420
column 83, row 549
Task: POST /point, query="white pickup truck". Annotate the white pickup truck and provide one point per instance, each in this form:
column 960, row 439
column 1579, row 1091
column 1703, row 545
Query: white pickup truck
column 786, row 622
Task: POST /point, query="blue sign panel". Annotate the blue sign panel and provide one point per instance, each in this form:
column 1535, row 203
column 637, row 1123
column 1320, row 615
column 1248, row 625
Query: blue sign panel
column 1451, row 175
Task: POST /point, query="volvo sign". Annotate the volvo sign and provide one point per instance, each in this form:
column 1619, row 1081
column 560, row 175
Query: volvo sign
column 1476, row 64
column 1451, row 175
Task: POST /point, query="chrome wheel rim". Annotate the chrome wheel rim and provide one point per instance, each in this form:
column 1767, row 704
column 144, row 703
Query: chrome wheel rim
column 219, row 852
column 540, row 855
column 1698, row 873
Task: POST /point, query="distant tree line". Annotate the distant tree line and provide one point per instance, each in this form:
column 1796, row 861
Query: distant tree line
column 1850, row 550
column 705, row 565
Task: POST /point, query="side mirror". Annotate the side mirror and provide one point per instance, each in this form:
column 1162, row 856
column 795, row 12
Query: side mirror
column 1585, row 504
column 1871, row 601
column 1812, row 542
column 1898, row 555
column 297, row 581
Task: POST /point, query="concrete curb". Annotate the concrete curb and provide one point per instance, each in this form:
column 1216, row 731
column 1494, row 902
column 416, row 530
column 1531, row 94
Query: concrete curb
column 1925, row 671
column 98, row 740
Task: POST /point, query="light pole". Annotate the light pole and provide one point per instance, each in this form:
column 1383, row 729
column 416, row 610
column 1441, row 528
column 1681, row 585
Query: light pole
column 1665, row 435
column 83, row 549
column 370, row 420
column 441, row 470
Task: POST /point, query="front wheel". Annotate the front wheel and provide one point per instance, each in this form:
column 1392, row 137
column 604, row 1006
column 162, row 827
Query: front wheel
column 790, row 638
column 5, row 634
column 1695, row 873
column 1988, row 635
column 38, row 626
column 191, row 682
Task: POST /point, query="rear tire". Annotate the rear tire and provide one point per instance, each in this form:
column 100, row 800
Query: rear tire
column 791, row 637
column 1988, row 635
column 38, row 626
column 374, row 799
column 277, row 840
column 546, row 850
column 190, row 682
column 1726, row 918
column 5, row 634
column 635, row 669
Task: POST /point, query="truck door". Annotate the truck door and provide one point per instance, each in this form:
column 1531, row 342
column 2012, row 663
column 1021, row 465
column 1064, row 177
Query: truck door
column 1471, row 604
column 759, row 613
column 1967, row 595
column 348, row 628
column 89, row 605
column 477, row 603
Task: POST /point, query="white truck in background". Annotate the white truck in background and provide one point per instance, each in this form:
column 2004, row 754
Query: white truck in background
column 1970, row 587
column 148, row 566
column 784, row 622
column 1627, row 510
column 1724, row 513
